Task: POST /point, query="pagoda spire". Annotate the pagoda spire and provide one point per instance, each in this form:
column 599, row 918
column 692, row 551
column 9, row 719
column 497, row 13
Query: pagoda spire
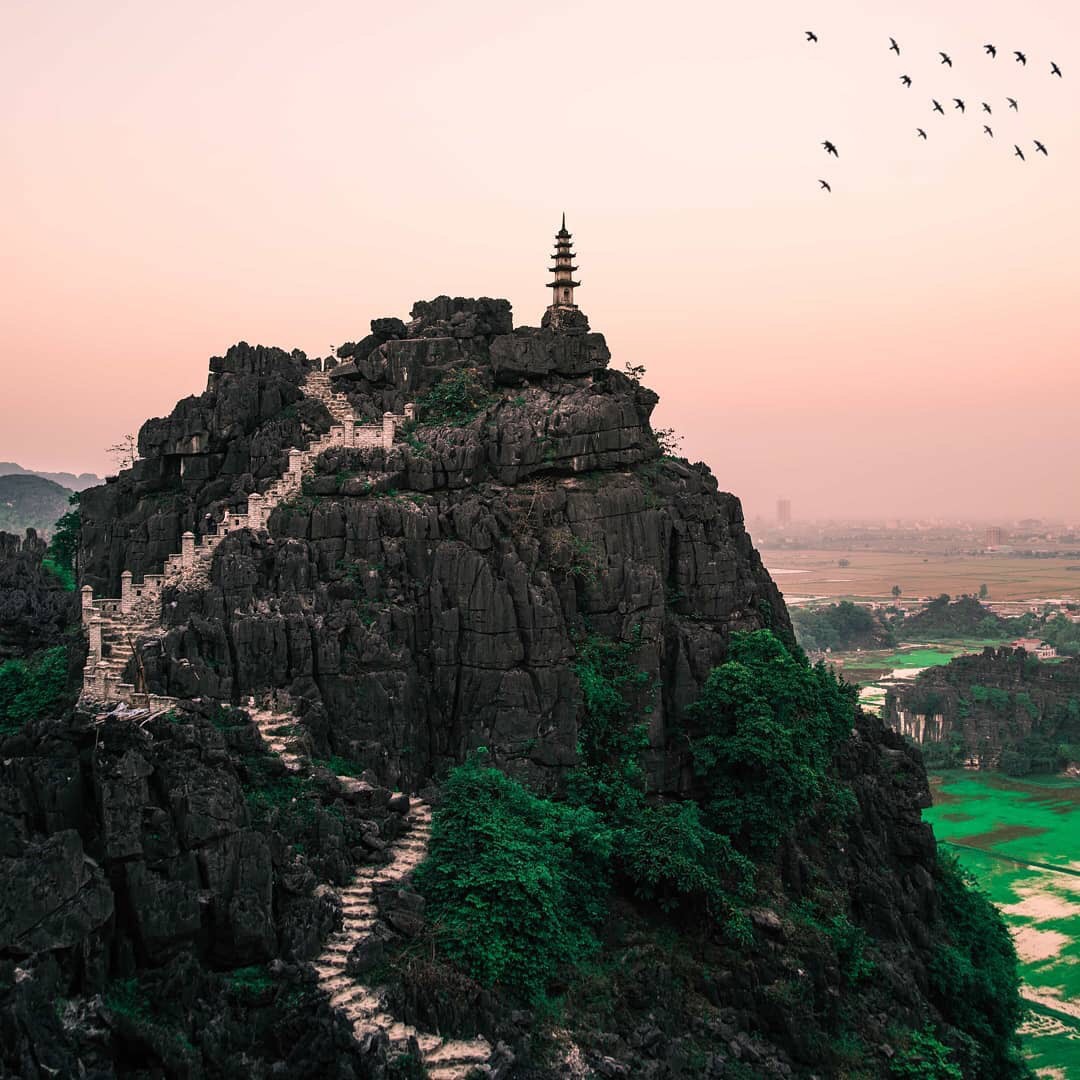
column 564, row 284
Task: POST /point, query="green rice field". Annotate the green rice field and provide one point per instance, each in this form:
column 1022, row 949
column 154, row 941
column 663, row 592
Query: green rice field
column 1018, row 838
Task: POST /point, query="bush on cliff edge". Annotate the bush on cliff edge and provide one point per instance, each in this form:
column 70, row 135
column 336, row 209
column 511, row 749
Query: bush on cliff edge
column 516, row 885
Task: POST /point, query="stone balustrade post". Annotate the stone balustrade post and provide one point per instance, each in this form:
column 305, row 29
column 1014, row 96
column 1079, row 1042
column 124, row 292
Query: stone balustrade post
column 296, row 463
column 95, row 638
column 389, row 422
column 87, row 603
column 187, row 550
column 255, row 511
column 125, row 592
column 349, row 427
column 101, row 673
column 410, row 411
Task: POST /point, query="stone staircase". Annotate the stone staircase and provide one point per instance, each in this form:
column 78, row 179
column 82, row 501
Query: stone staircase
column 364, row 1006
column 115, row 625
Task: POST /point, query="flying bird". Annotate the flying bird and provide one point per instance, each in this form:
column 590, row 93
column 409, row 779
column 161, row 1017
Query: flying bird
column 1020, row 57
column 906, row 80
column 811, row 36
column 1054, row 69
column 829, row 148
column 893, row 47
column 825, row 184
column 1019, row 153
column 986, row 108
column 991, row 50
column 945, row 58
column 959, row 104
column 921, row 133
column 988, row 131
column 1040, row 148
column 1012, row 103
column 937, row 106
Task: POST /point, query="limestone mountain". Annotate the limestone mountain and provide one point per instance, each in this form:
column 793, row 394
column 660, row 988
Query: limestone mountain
column 72, row 481
column 441, row 613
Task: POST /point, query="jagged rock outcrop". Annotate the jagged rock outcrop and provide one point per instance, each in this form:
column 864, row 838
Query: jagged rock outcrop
column 35, row 608
column 423, row 600
column 207, row 455
column 141, row 847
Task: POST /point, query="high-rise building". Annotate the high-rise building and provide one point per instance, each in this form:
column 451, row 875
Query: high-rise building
column 993, row 537
column 783, row 511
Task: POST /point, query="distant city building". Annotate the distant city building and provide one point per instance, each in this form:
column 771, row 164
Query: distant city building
column 783, row 511
column 1036, row 647
column 994, row 536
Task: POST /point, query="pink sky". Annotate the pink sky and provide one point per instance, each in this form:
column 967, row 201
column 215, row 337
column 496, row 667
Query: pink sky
column 177, row 178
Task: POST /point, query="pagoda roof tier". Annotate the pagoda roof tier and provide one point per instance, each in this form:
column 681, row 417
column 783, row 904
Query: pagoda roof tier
column 561, row 284
column 556, row 269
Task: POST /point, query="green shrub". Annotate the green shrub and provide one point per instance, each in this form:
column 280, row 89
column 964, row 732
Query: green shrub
column 665, row 853
column 32, row 689
column 516, row 885
column 669, row 855
column 456, row 399
column 249, row 982
column 973, row 974
column 611, row 736
column 769, row 726
column 60, row 558
column 924, row 1058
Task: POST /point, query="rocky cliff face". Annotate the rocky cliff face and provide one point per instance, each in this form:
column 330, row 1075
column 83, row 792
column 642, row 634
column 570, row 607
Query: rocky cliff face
column 209, row 453
column 35, row 609
column 166, row 882
column 423, row 601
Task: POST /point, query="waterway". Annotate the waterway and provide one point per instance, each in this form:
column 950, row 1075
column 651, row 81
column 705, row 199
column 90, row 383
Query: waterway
column 1019, row 839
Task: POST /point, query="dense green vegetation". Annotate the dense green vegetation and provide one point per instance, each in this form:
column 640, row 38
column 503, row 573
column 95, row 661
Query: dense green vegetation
column 508, row 871
column 64, row 545
column 455, row 399
column 32, row 689
column 840, row 626
column 770, row 726
column 517, row 885
column 948, row 618
column 923, row 1057
column 974, row 977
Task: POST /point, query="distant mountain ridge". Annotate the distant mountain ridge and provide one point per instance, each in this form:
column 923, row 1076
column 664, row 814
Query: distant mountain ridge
column 28, row 501
column 64, row 479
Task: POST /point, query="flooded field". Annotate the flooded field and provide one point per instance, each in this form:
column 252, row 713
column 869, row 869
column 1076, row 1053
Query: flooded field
column 1020, row 839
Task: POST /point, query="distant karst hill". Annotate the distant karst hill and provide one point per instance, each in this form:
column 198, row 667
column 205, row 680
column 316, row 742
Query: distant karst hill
column 64, row 479
column 31, row 502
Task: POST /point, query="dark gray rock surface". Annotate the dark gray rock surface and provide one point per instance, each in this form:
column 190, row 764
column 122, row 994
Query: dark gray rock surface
column 426, row 600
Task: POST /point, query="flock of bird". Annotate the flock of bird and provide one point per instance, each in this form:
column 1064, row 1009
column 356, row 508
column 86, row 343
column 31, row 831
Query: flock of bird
column 958, row 103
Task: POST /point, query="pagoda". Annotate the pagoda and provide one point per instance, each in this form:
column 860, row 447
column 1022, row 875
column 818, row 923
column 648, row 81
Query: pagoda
column 562, row 312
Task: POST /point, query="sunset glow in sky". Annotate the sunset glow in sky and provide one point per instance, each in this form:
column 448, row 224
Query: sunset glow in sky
column 177, row 178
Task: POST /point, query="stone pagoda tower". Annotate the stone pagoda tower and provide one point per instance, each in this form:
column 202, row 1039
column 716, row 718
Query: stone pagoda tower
column 563, row 313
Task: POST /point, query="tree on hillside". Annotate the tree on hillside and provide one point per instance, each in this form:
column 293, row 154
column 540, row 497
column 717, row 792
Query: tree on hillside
column 124, row 452
column 896, row 592
column 984, row 592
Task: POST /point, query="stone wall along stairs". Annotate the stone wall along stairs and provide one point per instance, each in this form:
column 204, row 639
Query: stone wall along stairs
column 365, row 1006
column 115, row 625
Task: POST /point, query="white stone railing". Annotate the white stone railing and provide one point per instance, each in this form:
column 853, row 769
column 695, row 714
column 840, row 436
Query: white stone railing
column 139, row 604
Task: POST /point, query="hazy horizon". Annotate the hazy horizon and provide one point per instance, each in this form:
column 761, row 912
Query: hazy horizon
column 904, row 347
